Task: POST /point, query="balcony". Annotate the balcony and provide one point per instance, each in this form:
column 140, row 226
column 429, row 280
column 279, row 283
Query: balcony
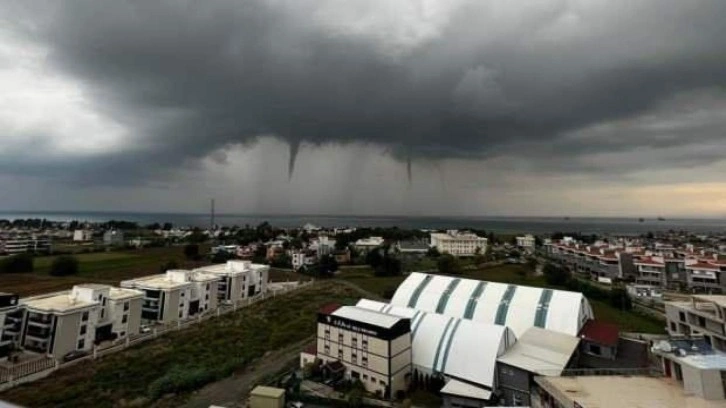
column 36, row 338
column 43, row 323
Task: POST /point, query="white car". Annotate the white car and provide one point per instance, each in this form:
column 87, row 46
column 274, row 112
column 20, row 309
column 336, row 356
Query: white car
column 295, row 404
column 145, row 329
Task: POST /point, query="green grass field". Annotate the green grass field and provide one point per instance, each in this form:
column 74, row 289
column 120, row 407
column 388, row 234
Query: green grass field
column 183, row 361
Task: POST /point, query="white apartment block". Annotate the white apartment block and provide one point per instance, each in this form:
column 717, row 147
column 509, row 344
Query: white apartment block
column 175, row 295
column 58, row 323
column 302, row 258
column 367, row 244
column 526, row 242
column 19, row 244
column 238, row 280
column 704, row 315
column 458, row 243
column 10, row 323
column 374, row 348
column 82, row 235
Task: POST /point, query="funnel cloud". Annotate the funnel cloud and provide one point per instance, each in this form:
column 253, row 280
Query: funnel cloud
column 142, row 94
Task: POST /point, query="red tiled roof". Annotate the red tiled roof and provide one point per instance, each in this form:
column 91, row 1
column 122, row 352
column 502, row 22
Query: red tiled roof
column 329, row 308
column 648, row 261
column 702, row 265
column 600, row 332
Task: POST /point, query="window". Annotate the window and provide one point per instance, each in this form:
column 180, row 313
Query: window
column 125, row 319
column 207, row 286
column 81, row 344
column 517, row 400
column 594, row 349
column 83, row 330
column 365, row 361
column 103, row 313
column 122, row 334
column 340, row 354
column 382, row 382
column 340, row 338
column 327, row 334
column 182, row 294
column 365, row 376
column 723, row 381
column 126, row 306
column 354, row 357
column 100, row 297
column 206, row 297
column 673, row 326
column 84, row 318
column 103, row 302
column 354, row 374
column 327, row 349
column 678, row 371
column 365, row 344
column 682, row 316
column 354, row 342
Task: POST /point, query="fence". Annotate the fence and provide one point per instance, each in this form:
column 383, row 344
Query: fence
column 579, row 372
column 20, row 373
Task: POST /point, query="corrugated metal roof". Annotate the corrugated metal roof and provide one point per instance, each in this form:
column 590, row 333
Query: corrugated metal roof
column 516, row 306
column 459, row 348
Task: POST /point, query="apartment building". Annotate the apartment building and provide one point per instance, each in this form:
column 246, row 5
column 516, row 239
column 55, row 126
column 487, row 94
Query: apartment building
column 651, row 271
column 695, row 366
column 176, row 295
column 367, row 244
column 58, row 323
column 82, row 235
column 10, row 323
column 374, row 348
column 17, row 244
column 303, row 258
column 458, row 243
column 526, row 242
column 704, row 315
column 706, row 276
column 238, row 279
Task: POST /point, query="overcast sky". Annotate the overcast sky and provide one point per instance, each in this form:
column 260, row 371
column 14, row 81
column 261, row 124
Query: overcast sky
column 421, row 107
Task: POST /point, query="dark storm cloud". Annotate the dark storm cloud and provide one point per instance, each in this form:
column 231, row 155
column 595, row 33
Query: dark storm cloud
column 189, row 78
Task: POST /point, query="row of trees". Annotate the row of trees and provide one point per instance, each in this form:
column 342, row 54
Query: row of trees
column 23, row 263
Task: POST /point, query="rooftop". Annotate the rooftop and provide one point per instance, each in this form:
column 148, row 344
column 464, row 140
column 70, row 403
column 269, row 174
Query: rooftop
column 462, row 389
column 156, row 282
column 600, row 332
column 93, row 286
column 703, row 265
column 269, row 392
column 122, row 293
column 541, row 351
column 623, row 391
column 717, row 299
column 693, row 352
column 367, row 316
column 59, row 302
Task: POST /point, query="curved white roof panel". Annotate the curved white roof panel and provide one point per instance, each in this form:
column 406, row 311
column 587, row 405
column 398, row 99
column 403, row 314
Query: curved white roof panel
column 458, row 348
column 519, row 307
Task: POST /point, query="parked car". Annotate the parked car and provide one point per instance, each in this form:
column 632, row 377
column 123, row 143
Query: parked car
column 145, row 328
column 74, row 355
column 295, row 404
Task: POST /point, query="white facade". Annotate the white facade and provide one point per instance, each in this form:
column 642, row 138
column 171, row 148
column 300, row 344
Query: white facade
column 526, row 242
column 458, row 243
column 302, row 258
column 367, row 244
column 239, row 280
column 119, row 309
column 324, row 245
column 82, row 235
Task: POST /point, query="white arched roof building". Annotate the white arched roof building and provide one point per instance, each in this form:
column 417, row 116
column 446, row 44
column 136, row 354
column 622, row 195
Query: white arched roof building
column 515, row 306
column 460, row 349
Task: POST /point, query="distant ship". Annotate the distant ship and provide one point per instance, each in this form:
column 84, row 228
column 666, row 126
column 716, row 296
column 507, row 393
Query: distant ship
column 567, row 218
column 641, row 219
column 661, row 219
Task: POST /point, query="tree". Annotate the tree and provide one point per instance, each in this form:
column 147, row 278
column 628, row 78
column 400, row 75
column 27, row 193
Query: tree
column 619, row 299
column 168, row 266
column 532, row 263
column 328, row 265
column 191, row 251
column 282, row 261
column 374, row 258
column 167, row 226
column 20, row 263
column 221, row 257
column 64, row 265
column 555, row 275
column 521, row 272
column 448, row 264
column 433, row 252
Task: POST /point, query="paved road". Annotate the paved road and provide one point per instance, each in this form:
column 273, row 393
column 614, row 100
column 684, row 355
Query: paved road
column 232, row 392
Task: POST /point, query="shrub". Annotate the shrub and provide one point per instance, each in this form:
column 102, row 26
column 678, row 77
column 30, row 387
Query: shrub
column 191, row 251
column 64, row 265
column 20, row 263
column 448, row 264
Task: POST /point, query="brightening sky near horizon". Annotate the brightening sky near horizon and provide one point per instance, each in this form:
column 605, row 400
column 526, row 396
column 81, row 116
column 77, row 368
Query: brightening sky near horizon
column 412, row 107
